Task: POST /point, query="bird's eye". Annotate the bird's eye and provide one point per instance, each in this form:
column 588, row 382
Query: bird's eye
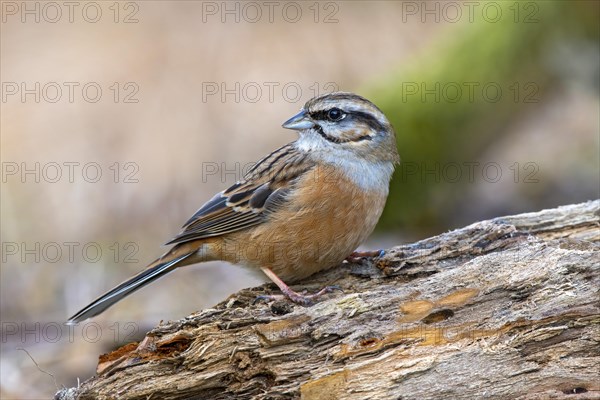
column 335, row 114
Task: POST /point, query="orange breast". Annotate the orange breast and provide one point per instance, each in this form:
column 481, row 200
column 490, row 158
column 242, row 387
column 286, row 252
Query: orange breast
column 320, row 225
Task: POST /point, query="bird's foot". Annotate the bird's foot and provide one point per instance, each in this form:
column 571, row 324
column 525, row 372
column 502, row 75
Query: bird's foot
column 303, row 298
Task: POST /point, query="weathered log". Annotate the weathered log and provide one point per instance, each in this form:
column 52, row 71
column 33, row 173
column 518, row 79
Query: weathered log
column 506, row 308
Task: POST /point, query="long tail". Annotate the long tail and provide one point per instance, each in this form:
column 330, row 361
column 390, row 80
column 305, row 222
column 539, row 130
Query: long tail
column 158, row 268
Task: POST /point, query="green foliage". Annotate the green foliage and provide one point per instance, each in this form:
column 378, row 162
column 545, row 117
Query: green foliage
column 446, row 108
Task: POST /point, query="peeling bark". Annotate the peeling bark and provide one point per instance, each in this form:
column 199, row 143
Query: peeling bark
column 506, row 308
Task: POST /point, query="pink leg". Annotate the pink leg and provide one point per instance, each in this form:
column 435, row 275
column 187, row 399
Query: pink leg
column 302, row 299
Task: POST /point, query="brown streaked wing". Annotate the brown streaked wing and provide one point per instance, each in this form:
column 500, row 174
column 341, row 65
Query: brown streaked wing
column 248, row 202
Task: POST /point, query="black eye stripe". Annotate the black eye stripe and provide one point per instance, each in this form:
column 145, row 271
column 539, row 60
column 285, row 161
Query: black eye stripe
column 369, row 120
column 320, row 115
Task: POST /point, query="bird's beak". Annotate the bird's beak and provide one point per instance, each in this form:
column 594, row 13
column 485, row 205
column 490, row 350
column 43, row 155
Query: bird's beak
column 299, row 121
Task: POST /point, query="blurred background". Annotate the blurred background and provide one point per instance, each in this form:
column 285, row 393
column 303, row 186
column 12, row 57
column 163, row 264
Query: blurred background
column 118, row 120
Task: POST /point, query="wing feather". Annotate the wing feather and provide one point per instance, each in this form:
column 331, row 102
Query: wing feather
column 249, row 202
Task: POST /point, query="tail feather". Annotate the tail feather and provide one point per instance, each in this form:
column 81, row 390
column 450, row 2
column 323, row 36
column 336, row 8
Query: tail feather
column 111, row 297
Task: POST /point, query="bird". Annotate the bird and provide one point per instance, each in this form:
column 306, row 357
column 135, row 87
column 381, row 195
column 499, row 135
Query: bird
column 303, row 208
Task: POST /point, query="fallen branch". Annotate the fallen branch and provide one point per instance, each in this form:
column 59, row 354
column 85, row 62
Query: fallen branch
column 506, row 308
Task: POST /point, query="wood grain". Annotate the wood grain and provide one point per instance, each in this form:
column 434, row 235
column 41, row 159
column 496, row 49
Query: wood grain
column 506, row 308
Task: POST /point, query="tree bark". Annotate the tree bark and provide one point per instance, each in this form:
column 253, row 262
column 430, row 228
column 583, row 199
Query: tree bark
column 506, row 308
